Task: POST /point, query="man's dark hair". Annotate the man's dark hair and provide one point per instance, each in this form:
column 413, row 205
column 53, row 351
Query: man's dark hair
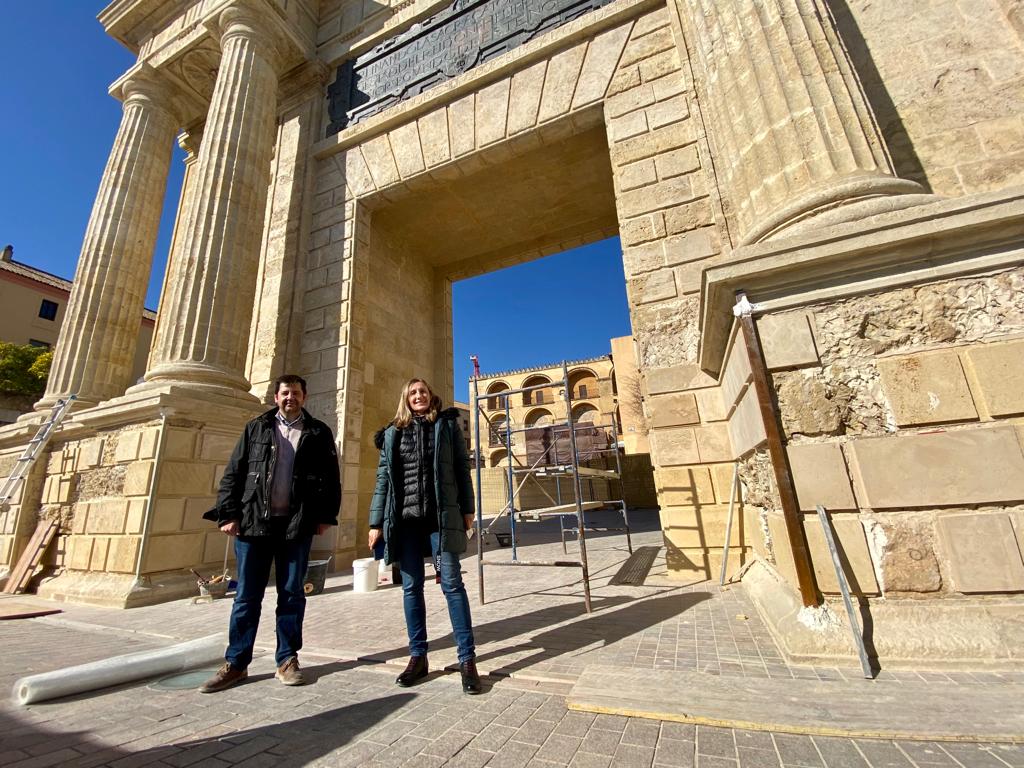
column 289, row 378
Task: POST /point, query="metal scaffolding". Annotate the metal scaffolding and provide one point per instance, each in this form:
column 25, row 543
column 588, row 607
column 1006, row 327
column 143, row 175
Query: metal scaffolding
column 555, row 453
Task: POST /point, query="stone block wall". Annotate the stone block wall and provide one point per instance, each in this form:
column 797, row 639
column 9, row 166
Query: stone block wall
column 129, row 501
column 944, row 79
column 902, row 412
column 691, row 418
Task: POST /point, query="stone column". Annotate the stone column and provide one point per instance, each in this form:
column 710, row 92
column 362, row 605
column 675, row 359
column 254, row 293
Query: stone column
column 96, row 348
column 793, row 134
column 203, row 330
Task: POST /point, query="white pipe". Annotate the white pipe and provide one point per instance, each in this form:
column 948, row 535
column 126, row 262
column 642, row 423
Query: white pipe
column 119, row 669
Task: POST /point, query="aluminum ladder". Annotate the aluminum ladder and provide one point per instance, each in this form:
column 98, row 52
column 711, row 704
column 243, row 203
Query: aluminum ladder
column 32, row 450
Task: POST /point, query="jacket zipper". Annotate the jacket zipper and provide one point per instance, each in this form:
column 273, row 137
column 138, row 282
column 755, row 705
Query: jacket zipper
column 266, row 482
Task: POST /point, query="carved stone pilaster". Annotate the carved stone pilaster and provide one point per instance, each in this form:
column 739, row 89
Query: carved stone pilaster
column 792, row 132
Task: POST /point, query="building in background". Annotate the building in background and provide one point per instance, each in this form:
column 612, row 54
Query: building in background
column 604, row 394
column 34, row 303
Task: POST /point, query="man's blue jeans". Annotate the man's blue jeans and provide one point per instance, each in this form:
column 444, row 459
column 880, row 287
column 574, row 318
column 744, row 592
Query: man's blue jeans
column 411, row 563
column 255, row 554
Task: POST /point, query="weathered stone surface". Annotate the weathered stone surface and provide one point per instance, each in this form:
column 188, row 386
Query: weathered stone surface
column 853, row 555
column 713, row 443
column 999, row 369
column 174, row 552
column 703, row 528
column 736, row 373
column 684, row 486
column 820, row 477
column 746, row 424
column 905, row 548
column 852, row 332
column 969, row 466
column 984, row 555
column 709, row 404
column 927, row 389
column 810, row 405
column 137, row 478
column 672, row 410
column 675, row 446
column 787, row 340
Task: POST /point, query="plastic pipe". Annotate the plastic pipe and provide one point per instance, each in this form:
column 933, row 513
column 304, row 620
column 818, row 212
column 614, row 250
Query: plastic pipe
column 119, row 669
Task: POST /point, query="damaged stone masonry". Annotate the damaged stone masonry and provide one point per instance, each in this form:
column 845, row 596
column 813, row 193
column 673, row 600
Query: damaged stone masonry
column 854, row 167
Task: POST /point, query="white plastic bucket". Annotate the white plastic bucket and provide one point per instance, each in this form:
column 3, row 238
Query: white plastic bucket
column 364, row 575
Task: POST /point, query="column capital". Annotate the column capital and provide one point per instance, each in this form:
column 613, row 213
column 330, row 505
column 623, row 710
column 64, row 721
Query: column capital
column 149, row 88
column 255, row 20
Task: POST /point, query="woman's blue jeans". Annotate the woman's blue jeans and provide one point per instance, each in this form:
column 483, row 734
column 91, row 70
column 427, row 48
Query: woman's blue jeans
column 411, row 563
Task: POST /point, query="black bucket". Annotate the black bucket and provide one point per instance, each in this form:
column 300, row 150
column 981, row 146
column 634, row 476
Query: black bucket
column 316, row 573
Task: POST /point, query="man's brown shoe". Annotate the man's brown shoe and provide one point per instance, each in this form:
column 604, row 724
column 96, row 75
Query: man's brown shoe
column 289, row 672
column 226, row 677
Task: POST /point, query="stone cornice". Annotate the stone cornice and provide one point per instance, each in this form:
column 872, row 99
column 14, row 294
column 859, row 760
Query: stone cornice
column 130, row 22
column 914, row 245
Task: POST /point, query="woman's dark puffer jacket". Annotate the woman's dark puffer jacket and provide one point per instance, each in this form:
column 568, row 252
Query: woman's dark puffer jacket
column 416, row 446
column 453, row 488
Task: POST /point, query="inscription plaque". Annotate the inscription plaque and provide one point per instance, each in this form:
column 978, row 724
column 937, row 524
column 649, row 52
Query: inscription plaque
column 462, row 36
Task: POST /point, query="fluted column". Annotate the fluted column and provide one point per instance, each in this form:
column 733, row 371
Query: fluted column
column 793, row 133
column 96, row 349
column 203, row 329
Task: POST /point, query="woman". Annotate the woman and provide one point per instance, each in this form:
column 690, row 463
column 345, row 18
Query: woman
column 422, row 506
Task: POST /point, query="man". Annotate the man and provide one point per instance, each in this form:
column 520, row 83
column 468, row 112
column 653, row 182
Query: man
column 281, row 486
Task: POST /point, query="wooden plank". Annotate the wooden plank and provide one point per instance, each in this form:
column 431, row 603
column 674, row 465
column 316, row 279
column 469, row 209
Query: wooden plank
column 26, row 565
column 931, row 711
column 567, row 469
column 551, row 563
column 561, row 509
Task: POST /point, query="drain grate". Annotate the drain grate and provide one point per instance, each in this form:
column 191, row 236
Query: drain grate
column 634, row 571
column 184, row 680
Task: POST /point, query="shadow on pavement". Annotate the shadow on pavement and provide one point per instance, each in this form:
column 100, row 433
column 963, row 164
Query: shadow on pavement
column 614, row 618
column 292, row 743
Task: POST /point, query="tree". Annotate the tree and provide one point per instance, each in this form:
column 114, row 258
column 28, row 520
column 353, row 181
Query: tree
column 24, row 368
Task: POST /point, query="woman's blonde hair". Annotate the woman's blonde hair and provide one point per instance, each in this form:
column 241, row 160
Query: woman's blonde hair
column 403, row 417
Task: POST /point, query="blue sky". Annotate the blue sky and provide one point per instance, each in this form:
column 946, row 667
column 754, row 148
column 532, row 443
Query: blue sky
column 57, row 129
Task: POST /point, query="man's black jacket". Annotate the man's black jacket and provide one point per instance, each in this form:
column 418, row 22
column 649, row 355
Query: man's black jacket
column 244, row 493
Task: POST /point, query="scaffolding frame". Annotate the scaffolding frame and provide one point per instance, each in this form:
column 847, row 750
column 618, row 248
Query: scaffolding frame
column 571, row 468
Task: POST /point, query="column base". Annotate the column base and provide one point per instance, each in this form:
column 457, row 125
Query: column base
column 45, row 405
column 195, row 377
column 847, row 199
column 210, row 405
column 114, row 590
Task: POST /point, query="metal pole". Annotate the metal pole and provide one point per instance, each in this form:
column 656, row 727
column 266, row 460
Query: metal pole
column 777, row 451
column 728, row 522
column 622, row 482
column 582, row 535
column 477, row 412
column 511, row 486
column 858, row 638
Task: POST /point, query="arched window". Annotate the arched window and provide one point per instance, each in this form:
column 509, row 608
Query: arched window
column 538, row 417
column 496, row 403
column 583, row 383
column 497, row 457
column 585, row 414
column 537, row 396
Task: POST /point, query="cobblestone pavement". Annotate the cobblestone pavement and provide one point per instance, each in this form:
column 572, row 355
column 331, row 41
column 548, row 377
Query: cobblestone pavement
column 533, row 638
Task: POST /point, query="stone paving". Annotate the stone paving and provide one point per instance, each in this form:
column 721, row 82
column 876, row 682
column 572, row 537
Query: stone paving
column 533, row 638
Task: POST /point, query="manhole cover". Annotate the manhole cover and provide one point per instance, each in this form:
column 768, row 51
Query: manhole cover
column 184, row 681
